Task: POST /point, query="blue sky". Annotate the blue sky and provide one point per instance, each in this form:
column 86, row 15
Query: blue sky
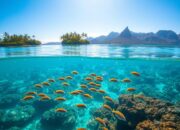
column 48, row 19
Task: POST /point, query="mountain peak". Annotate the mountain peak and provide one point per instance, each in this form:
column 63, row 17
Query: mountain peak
column 126, row 33
column 127, row 28
column 129, row 37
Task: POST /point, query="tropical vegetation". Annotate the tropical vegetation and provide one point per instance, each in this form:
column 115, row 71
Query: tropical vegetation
column 74, row 38
column 18, row 40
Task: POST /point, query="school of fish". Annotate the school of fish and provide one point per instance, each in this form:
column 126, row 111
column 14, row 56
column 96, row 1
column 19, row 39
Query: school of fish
column 94, row 81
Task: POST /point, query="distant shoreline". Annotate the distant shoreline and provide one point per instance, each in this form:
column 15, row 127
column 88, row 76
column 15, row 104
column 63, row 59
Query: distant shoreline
column 113, row 44
column 18, row 45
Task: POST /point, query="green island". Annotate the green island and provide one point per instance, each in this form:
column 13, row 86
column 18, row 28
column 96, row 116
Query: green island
column 18, row 40
column 74, row 38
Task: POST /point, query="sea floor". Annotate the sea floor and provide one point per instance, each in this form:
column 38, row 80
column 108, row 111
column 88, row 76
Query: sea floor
column 158, row 78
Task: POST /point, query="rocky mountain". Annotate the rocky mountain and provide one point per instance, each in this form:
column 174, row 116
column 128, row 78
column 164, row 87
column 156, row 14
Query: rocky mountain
column 126, row 37
column 167, row 35
column 130, row 37
column 102, row 39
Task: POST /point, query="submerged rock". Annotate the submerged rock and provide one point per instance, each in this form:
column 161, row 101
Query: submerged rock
column 52, row 120
column 9, row 100
column 104, row 114
column 14, row 128
column 18, row 116
column 42, row 106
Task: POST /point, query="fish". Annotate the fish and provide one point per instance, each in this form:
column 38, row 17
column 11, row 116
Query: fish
column 126, row 80
column 46, row 83
column 88, row 78
column 108, row 98
column 101, row 121
column 104, row 128
column 107, row 107
column 98, row 85
column 119, row 115
column 83, row 86
column 28, row 97
column 101, row 91
column 76, row 92
column 31, row 93
column 60, row 99
column 113, row 80
column 87, row 95
column 51, row 80
column 93, row 89
column 61, row 78
column 135, row 73
column 99, row 78
column 81, row 129
column 81, row 105
column 38, row 85
column 65, row 84
column 75, row 72
column 68, row 77
column 92, row 74
column 45, row 98
column 92, row 83
column 60, row 110
column 59, row 91
column 131, row 89
column 80, row 91
column 42, row 94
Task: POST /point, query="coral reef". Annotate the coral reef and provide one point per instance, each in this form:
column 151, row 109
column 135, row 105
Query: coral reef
column 139, row 108
column 142, row 113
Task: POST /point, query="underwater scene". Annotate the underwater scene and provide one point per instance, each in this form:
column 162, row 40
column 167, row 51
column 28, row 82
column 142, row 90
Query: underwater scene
column 72, row 91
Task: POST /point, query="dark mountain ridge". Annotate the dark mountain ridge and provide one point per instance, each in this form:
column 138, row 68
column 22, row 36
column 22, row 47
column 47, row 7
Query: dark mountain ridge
column 130, row 37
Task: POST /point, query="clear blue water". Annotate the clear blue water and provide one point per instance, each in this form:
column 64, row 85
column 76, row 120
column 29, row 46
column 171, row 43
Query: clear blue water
column 22, row 67
column 117, row 51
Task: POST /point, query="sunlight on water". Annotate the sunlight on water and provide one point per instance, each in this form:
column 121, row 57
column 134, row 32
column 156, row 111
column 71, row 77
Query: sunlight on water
column 93, row 51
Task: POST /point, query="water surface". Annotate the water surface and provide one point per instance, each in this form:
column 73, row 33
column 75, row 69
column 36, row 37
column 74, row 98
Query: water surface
column 97, row 50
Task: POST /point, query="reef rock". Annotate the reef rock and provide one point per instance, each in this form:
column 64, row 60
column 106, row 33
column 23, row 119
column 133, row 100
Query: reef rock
column 52, row 120
column 18, row 116
column 42, row 106
column 104, row 114
column 8, row 101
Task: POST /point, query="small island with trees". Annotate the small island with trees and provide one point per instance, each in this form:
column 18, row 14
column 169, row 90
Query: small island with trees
column 18, row 40
column 74, row 38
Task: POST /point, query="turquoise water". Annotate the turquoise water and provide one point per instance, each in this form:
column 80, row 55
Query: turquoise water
column 116, row 51
column 22, row 68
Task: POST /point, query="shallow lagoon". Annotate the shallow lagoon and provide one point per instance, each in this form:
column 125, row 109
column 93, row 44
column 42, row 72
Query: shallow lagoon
column 19, row 71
